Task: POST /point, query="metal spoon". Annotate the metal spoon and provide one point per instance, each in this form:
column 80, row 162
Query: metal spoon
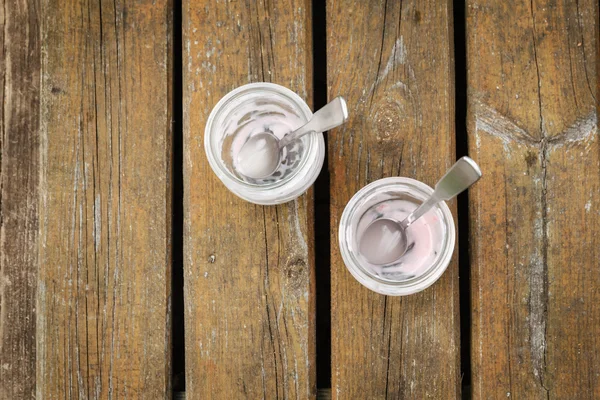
column 384, row 241
column 260, row 156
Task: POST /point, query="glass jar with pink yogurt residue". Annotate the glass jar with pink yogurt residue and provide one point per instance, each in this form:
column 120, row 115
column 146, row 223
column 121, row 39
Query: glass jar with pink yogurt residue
column 431, row 238
column 255, row 108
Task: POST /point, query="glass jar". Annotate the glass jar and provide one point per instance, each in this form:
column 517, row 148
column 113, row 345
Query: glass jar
column 255, row 108
column 380, row 199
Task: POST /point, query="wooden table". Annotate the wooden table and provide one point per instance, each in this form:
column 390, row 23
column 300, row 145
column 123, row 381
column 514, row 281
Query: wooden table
column 122, row 254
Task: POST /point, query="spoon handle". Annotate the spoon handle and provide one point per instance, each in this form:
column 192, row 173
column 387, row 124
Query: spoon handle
column 463, row 174
column 331, row 115
column 418, row 213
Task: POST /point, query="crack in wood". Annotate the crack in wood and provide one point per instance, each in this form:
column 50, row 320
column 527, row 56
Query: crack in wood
column 539, row 275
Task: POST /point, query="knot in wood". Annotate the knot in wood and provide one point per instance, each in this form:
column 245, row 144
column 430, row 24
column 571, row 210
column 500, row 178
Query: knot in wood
column 388, row 120
column 295, row 276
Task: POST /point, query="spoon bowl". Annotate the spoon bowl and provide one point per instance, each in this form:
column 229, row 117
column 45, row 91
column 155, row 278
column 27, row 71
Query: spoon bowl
column 259, row 156
column 383, row 242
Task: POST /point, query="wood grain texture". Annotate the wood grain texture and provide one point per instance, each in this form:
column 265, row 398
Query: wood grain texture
column 249, row 270
column 533, row 128
column 103, row 309
column 393, row 62
column 19, row 172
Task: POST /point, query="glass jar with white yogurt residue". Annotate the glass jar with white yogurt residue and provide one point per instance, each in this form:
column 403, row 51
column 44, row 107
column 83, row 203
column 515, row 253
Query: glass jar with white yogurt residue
column 431, row 238
column 253, row 109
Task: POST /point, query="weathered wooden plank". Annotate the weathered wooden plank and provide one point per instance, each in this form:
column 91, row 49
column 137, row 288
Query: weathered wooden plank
column 532, row 122
column 19, row 146
column 393, row 61
column 249, row 270
column 103, row 311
